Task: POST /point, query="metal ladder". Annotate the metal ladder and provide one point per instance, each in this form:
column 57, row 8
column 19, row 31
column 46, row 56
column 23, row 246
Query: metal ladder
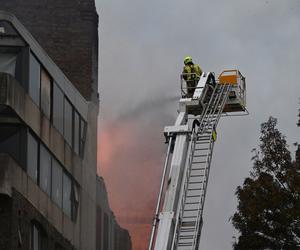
column 193, row 190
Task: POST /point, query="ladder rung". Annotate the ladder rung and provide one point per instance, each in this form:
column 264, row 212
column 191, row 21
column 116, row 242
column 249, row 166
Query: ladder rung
column 191, row 203
column 189, row 217
column 193, row 189
column 186, row 236
column 185, row 244
column 195, row 169
column 197, row 162
column 202, row 142
column 205, row 155
column 192, row 196
column 198, row 149
column 197, row 175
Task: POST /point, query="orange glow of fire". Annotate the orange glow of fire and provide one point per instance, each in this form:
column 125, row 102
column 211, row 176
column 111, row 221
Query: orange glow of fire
column 130, row 160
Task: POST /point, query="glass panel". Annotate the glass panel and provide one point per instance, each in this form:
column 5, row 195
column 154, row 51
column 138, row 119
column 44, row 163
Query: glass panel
column 76, row 132
column 32, row 156
column 105, row 231
column 67, row 185
column 98, row 227
column 58, row 108
column 45, row 93
column 8, row 63
column 74, row 201
column 68, row 122
column 82, row 136
column 34, row 79
column 56, row 183
column 35, row 238
column 45, row 170
column 13, row 142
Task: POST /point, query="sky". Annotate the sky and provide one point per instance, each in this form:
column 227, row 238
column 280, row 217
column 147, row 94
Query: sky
column 142, row 46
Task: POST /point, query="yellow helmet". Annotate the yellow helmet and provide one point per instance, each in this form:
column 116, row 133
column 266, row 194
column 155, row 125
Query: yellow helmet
column 187, row 60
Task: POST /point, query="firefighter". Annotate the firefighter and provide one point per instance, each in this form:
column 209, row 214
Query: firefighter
column 191, row 74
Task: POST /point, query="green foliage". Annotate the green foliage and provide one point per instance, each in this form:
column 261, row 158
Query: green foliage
column 268, row 212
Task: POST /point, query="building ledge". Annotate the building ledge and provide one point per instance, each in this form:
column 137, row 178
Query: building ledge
column 12, row 176
column 14, row 96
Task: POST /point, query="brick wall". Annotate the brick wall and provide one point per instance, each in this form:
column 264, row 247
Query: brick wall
column 5, row 225
column 16, row 218
column 67, row 30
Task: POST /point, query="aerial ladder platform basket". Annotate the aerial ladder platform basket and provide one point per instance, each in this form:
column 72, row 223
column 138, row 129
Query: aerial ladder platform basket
column 179, row 211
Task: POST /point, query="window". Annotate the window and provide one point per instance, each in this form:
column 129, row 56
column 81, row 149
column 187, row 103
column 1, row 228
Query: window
column 67, row 186
column 45, row 170
column 35, row 238
column 13, row 141
column 68, row 122
column 74, row 201
column 58, row 108
column 34, row 79
column 45, row 93
column 59, row 247
column 32, row 156
column 56, row 183
column 98, row 227
column 8, row 58
column 38, row 237
column 106, row 231
column 82, row 136
column 76, row 132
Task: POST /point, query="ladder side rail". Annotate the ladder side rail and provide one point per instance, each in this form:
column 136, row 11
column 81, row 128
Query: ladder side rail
column 197, row 234
column 187, row 172
column 214, row 100
column 203, row 119
column 219, row 104
column 183, row 189
column 211, row 101
column 158, row 204
column 210, row 122
column 187, row 176
column 219, row 99
column 223, row 93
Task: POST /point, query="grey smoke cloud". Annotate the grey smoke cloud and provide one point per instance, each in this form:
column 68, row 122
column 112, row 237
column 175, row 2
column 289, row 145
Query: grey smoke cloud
column 142, row 45
column 155, row 104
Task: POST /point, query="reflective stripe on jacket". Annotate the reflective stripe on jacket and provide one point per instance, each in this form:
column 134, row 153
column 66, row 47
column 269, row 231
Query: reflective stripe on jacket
column 191, row 72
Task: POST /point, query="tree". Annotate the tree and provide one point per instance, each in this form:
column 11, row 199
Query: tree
column 268, row 212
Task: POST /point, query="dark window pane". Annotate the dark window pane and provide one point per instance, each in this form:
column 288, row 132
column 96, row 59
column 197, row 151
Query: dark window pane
column 68, row 122
column 39, row 240
column 34, row 79
column 7, row 62
column 82, row 136
column 32, row 156
column 76, row 132
column 74, row 201
column 59, row 247
column 67, row 185
column 13, row 142
column 45, row 170
column 106, row 231
column 56, row 183
column 45, row 93
column 35, row 238
column 58, row 108
column 98, row 228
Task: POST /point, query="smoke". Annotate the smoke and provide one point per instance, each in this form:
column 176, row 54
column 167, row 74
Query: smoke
column 148, row 106
column 131, row 155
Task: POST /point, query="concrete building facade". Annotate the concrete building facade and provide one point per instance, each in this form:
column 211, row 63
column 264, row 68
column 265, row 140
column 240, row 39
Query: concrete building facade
column 48, row 124
column 110, row 236
column 48, row 147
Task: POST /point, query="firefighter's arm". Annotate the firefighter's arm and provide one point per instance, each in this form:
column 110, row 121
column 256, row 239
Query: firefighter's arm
column 184, row 73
